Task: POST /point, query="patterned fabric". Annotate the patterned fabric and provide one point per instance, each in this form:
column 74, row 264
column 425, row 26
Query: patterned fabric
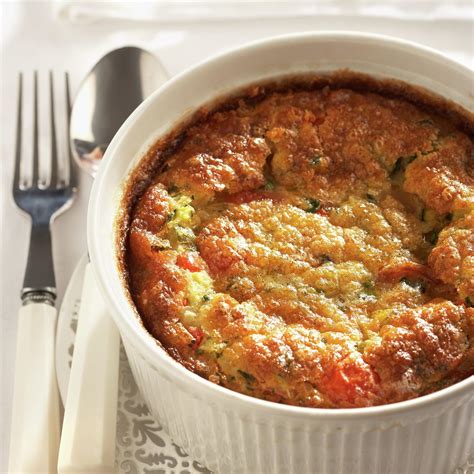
column 142, row 445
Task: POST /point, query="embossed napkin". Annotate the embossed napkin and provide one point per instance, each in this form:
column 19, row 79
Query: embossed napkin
column 192, row 10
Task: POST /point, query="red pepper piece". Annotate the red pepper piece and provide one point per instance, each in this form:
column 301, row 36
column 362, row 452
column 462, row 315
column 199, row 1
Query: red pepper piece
column 190, row 261
column 197, row 334
column 394, row 273
column 322, row 211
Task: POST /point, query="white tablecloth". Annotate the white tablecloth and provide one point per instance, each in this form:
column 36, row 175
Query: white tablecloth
column 33, row 39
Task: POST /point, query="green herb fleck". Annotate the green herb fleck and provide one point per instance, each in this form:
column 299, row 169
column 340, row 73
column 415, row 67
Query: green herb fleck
column 316, row 159
column 183, row 235
column 368, row 292
column 171, row 215
column 248, row 377
column 369, row 288
column 417, row 284
column 269, row 185
column 314, row 205
column 432, row 237
column 469, row 302
column 206, row 298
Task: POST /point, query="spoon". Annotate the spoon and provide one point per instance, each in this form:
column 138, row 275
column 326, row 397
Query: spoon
column 117, row 84
column 114, row 88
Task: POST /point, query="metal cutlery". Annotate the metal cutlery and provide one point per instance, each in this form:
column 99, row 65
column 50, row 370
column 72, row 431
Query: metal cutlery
column 115, row 86
column 112, row 90
column 35, row 418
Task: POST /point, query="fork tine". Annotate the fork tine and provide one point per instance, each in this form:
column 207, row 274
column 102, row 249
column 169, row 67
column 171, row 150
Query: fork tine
column 35, row 175
column 54, row 145
column 70, row 160
column 16, row 175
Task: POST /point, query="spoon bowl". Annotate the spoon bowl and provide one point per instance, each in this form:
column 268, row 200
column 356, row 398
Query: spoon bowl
column 113, row 89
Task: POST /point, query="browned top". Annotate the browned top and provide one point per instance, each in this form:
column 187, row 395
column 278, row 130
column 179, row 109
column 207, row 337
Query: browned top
column 313, row 247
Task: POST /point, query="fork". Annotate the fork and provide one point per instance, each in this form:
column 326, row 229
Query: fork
column 35, row 418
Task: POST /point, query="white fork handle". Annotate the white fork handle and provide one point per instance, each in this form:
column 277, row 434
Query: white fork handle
column 34, row 438
column 88, row 434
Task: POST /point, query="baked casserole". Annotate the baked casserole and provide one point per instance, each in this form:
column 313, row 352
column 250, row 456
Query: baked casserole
column 310, row 243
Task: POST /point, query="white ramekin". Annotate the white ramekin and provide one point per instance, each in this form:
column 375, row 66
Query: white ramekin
column 230, row 432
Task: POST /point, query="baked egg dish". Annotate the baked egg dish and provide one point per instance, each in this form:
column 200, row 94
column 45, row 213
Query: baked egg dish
column 311, row 244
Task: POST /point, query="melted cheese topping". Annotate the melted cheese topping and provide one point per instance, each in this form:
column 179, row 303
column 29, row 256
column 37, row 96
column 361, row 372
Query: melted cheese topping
column 313, row 248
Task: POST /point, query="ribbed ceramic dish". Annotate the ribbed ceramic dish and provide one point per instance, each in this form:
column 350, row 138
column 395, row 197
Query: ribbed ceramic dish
column 230, row 432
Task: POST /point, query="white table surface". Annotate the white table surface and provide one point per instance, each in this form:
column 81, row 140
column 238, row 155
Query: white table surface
column 33, row 39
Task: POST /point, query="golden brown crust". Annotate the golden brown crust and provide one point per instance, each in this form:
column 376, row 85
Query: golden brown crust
column 444, row 178
column 419, row 347
column 452, row 259
column 289, row 249
column 233, row 163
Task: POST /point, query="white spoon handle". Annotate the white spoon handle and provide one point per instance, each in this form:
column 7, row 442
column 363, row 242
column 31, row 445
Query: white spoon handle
column 35, row 417
column 88, row 435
